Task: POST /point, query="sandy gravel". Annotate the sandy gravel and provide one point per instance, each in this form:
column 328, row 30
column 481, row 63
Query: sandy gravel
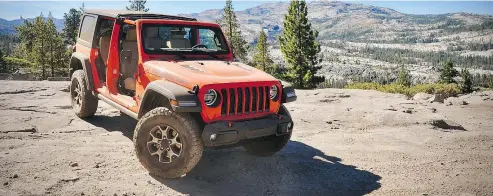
column 345, row 142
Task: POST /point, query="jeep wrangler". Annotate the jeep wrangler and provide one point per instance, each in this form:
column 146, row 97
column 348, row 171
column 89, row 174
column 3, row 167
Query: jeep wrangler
column 178, row 77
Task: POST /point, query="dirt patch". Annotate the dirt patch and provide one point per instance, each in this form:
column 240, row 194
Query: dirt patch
column 360, row 145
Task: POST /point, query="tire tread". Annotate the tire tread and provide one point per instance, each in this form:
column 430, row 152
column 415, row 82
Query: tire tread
column 193, row 130
column 89, row 103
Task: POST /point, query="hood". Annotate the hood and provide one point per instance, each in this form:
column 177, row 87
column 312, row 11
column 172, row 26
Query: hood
column 204, row 72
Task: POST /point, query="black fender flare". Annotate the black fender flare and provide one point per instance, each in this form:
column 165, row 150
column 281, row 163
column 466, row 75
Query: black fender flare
column 85, row 63
column 288, row 92
column 187, row 101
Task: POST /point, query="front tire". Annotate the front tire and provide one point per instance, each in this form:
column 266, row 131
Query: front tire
column 167, row 143
column 270, row 147
column 83, row 102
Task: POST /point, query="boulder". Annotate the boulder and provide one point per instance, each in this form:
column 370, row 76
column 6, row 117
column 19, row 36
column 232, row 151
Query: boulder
column 454, row 101
column 438, row 98
column 422, row 97
column 425, row 97
column 464, row 97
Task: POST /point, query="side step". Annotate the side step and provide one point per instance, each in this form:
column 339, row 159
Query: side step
column 118, row 106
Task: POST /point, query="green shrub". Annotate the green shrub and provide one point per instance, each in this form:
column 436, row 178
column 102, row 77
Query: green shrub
column 16, row 62
column 3, row 65
column 465, row 83
column 403, row 77
column 448, row 73
column 447, row 90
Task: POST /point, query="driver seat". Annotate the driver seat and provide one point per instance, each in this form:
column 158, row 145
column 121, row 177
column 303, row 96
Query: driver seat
column 178, row 40
column 152, row 39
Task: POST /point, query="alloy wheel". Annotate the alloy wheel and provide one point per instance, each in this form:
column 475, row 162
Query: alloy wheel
column 165, row 143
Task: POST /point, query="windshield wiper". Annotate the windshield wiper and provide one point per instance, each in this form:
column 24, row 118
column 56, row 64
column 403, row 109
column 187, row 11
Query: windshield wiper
column 215, row 57
column 175, row 52
column 207, row 51
column 181, row 56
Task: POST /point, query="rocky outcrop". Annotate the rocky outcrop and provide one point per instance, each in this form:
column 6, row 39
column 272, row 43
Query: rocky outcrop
column 429, row 98
column 423, row 97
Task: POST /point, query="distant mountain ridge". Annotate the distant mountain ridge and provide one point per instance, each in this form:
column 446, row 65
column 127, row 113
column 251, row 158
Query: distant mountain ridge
column 8, row 26
column 339, row 20
column 334, row 20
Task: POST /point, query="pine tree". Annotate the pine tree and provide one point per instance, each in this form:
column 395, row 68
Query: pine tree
column 489, row 82
column 231, row 28
column 51, row 34
column 42, row 45
column 137, row 5
column 3, row 65
column 448, row 73
column 26, row 35
column 299, row 48
column 71, row 25
column 404, row 78
column 261, row 58
column 466, row 82
column 56, row 48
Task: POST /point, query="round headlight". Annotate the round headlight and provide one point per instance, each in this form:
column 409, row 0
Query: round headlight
column 273, row 92
column 210, row 97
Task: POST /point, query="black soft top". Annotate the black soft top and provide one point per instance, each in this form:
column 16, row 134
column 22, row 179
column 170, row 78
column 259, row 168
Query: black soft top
column 135, row 15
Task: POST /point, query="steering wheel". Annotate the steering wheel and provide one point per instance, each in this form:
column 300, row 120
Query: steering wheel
column 199, row 46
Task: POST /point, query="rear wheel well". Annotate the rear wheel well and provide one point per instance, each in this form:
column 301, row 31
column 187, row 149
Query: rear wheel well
column 75, row 64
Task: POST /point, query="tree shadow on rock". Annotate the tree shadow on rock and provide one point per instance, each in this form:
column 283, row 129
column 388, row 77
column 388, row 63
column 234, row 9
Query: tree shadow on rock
column 122, row 123
column 298, row 169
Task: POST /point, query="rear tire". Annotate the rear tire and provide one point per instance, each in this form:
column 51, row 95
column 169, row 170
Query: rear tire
column 84, row 103
column 270, row 147
column 168, row 160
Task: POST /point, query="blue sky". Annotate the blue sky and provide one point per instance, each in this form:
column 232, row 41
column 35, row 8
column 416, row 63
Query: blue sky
column 28, row 9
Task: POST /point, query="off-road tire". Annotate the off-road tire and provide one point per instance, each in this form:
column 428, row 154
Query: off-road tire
column 88, row 102
column 189, row 132
column 270, row 147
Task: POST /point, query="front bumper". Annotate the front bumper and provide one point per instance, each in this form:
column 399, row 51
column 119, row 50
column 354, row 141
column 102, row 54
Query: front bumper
column 230, row 133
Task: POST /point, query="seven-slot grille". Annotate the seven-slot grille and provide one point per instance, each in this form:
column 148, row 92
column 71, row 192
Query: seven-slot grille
column 245, row 100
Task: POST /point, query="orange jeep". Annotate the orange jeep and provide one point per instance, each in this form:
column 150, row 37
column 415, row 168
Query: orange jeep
column 178, row 78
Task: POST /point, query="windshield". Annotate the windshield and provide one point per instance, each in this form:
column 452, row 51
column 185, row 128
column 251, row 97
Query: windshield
column 166, row 38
